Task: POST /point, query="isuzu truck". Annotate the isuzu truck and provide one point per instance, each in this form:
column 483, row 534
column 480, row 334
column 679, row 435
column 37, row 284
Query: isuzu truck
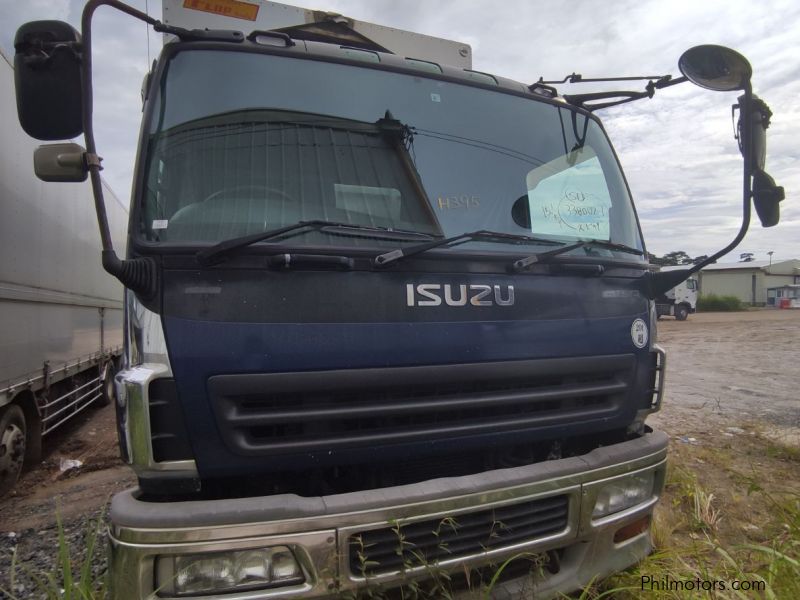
column 390, row 328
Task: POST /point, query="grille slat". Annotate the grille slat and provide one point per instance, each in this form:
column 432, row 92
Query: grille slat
column 469, row 522
column 498, row 533
column 384, row 550
column 168, row 435
column 323, row 411
column 427, row 555
column 243, row 414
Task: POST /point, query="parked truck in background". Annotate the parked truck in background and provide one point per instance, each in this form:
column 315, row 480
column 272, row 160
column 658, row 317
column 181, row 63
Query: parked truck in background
column 680, row 301
column 60, row 312
column 389, row 320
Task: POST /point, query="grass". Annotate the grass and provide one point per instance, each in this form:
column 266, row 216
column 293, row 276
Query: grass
column 714, row 303
column 703, row 539
column 73, row 578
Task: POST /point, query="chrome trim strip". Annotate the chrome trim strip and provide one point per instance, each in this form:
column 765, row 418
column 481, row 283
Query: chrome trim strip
column 132, row 395
column 320, row 536
column 661, row 371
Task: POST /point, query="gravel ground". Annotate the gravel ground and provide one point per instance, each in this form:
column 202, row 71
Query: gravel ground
column 36, row 553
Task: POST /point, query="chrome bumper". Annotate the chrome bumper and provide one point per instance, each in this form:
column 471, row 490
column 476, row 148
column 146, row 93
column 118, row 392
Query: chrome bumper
column 318, row 529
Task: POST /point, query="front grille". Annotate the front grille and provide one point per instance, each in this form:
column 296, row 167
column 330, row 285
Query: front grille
column 286, row 413
column 168, row 435
column 401, row 547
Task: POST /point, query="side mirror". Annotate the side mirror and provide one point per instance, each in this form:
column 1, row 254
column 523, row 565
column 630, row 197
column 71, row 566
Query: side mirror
column 60, row 162
column 47, row 73
column 760, row 114
column 766, row 194
column 766, row 198
column 724, row 70
column 715, row 68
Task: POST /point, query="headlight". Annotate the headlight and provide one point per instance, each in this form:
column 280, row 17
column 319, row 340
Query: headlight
column 227, row 572
column 623, row 493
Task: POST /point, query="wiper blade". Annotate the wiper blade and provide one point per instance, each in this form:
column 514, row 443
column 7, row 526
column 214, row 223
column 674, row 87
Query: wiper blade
column 523, row 263
column 389, row 257
column 219, row 252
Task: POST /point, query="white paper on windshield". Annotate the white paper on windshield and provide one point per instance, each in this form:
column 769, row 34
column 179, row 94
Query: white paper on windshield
column 569, row 197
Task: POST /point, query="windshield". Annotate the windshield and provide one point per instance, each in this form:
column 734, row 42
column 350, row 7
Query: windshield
column 275, row 141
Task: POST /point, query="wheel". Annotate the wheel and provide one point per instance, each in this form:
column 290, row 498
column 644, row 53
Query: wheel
column 12, row 446
column 681, row 312
column 107, row 392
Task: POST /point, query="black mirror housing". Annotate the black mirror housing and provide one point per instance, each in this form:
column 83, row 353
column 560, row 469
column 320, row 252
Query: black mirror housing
column 766, row 198
column 715, row 68
column 47, row 75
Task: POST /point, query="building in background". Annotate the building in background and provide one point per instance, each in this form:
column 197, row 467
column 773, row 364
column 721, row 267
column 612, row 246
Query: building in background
column 785, row 296
column 749, row 281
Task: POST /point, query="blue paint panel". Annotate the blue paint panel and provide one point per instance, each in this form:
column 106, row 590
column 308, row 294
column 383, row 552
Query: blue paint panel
column 200, row 349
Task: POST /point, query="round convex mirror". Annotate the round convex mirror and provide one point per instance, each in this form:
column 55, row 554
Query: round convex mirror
column 715, row 68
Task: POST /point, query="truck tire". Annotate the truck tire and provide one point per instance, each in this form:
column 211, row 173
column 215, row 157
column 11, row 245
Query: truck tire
column 681, row 312
column 12, row 446
column 107, row 392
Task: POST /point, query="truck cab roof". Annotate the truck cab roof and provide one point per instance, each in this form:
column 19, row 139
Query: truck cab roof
column 336, row 37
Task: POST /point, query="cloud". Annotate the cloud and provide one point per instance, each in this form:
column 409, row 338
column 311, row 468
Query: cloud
column 678, row 150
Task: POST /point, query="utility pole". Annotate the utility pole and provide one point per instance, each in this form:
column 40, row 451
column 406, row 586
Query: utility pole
column 771, row 252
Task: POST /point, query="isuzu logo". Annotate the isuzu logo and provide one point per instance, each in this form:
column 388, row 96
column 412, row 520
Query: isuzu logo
column 435, row 294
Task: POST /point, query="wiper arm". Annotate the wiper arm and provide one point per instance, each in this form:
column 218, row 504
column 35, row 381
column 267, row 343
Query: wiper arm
column 219, row 252
column 523, row 263
column 483, row 234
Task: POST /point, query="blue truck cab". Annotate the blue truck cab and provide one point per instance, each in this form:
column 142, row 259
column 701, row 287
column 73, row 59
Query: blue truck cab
column 389, row 321
column 322, row 376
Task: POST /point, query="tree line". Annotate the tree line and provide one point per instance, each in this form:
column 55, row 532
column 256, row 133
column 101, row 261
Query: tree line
column 679, row 257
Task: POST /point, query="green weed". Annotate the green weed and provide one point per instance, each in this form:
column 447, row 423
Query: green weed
column 73, row 578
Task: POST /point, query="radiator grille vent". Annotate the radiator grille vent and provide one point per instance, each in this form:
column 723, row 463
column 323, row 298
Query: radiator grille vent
column 391, row 549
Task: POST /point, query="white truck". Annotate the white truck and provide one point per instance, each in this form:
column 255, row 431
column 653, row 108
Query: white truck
column 679, row 301
column 60, row 313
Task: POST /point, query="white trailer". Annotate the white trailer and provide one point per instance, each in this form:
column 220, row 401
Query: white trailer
column 680, row 300
column 60, row 313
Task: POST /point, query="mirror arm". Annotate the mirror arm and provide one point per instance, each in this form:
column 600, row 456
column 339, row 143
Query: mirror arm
column 655, row 284
column 747, row 178
column 138, row 274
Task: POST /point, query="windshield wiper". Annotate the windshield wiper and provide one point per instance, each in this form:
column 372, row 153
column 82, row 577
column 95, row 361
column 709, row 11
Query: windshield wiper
column 524, row 263
column 219, row 252
column 483, row 234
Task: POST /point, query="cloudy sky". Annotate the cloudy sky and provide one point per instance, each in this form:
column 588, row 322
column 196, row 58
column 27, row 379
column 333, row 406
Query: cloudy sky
column 677, row 149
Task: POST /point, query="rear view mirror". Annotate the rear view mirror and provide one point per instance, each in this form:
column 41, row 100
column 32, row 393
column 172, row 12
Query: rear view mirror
column 60, row 162
column 766, row 194
column 715, row 68
column 47, row 72
column 760, row 115
column 766, row 198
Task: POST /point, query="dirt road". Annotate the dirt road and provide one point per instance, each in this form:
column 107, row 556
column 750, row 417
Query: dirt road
column 733, row 369
column 47, row 489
